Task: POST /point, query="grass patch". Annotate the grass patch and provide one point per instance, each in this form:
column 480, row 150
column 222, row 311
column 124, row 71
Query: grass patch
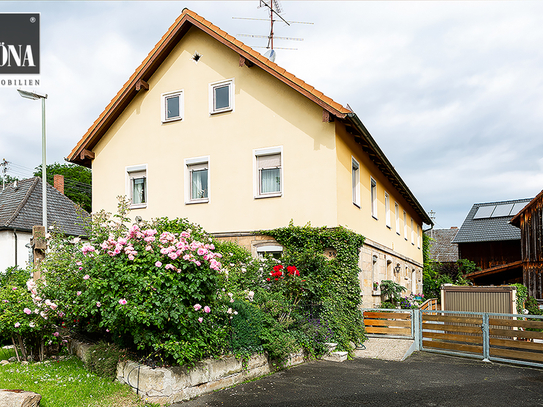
column 67, row 383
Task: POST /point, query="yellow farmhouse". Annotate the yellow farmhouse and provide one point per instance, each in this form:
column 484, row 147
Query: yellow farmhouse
column 209, row 129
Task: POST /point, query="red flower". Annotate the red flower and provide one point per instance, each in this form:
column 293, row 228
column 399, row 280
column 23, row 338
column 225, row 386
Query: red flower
column 278, row 267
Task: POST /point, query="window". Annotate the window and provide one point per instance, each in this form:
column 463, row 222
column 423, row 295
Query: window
column 270, row 250
column 373, row 198
column 418, row 237
column 268, row 172
column 387, row 209
column 356, row 182
column 404, row 225
column 137, row 186
column 172, row 106
column 412, row 233
column 197, row 180
column 221, row 96
column 397, row 213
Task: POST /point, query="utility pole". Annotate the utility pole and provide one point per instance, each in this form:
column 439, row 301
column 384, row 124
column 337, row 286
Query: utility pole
column 4, row 165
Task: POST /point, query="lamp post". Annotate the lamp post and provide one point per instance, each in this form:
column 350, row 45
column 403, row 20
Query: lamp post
column 36, row 96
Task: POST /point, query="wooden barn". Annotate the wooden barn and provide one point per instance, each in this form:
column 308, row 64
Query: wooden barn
column 489, row 240
column 530, row 222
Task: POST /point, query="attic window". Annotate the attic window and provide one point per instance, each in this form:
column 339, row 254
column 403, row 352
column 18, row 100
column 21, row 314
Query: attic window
column 196, row 57
column 221, row 96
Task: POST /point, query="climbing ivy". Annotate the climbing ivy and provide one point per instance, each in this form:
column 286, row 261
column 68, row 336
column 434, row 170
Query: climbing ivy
column 335, row 285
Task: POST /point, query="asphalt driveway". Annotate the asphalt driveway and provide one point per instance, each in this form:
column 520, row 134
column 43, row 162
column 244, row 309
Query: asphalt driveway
column 424, row 379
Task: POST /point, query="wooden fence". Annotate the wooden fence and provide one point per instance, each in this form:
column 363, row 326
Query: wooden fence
column 394, row 323
column 499, row 337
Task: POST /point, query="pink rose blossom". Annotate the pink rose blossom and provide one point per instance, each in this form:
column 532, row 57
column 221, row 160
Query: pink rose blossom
column 158, row 264
column 86, row 277
column 27, row 311
column 17, row 325
column 79, row 293
column 56, row 334
column 200, row 320
column 122, row 301
column 207, row 310
column 197, row 307
column 98, row 304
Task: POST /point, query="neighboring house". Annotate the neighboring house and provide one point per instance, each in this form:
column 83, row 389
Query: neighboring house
column 442, row 249
column 209, row 129
column 530, row 222
column 492, row 243
column 21, row 209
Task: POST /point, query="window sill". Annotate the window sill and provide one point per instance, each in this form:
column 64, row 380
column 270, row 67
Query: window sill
column 138, row 206
column 357, row 205
column 220, row 111
column 200, row 201
column 269, row 196
column 177, row 119
column 388, row 226
column 376, row 293
column 374, row 217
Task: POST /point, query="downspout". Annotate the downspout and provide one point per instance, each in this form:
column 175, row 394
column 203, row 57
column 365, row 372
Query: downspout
column 15, row 236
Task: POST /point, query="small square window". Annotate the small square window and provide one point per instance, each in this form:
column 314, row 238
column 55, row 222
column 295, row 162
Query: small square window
column 221, row 97
column 269, row 173
column 197, row 180
column 172, row 106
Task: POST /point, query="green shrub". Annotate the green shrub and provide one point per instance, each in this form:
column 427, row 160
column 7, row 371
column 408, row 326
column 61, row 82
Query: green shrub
column 103, row 358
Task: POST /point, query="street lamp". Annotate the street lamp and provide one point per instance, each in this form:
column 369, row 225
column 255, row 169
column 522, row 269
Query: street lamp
column 36, row 96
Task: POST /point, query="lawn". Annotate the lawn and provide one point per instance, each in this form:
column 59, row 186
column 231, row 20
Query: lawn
column 66, row 383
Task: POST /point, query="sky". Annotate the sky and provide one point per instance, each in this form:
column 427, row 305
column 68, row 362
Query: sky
column 451, row 91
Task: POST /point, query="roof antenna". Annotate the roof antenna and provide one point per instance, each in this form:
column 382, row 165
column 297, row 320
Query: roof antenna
column 275, row 11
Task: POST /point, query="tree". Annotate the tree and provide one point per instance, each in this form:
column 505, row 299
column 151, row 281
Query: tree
column 77, row 182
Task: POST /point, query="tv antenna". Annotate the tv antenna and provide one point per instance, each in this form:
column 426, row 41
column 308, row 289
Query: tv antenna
column 275, row 11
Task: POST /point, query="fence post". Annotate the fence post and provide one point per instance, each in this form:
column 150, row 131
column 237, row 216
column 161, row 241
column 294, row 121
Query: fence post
column 486, row 338
column 417, row 331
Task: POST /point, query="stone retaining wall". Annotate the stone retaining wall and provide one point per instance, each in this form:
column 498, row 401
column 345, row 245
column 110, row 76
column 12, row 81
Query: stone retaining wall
column 173, row 384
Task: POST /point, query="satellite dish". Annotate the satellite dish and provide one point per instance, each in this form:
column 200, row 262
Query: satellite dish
column 270, row 54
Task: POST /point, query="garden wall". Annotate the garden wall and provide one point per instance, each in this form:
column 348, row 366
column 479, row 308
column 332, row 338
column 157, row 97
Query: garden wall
column 169, row 385
column 173, row 384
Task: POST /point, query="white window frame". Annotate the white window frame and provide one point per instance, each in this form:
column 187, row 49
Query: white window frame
column 373, row 197
column 418, row 236
column 256, row 173
column 275, row 250
column 136, row 172
column 355, row 175
column 404, row 225
column 189, row 162
column 387, row 209
column 412, row 233
column 397, row 214
column 231, row 93
column 163, row 111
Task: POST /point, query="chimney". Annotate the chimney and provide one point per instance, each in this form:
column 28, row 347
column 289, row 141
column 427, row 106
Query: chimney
column 59, row 183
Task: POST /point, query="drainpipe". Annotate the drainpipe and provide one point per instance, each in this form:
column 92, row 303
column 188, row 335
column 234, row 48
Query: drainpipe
column 15, row 236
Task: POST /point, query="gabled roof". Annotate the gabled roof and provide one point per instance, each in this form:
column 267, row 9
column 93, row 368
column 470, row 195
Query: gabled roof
column 21, row 208
column 82, row 152
column 441, row 247
column 490, row 222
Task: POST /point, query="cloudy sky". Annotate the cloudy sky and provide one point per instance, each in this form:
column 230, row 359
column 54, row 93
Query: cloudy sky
column 452, row 91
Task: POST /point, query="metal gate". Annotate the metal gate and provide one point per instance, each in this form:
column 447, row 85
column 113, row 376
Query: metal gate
column 510, row 338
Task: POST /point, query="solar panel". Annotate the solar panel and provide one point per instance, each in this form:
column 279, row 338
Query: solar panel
column 502, row 210
column 484, row 212
column 518, row 207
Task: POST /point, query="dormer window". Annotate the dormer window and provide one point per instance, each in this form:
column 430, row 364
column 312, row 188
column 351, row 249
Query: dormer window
column 221, row 96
